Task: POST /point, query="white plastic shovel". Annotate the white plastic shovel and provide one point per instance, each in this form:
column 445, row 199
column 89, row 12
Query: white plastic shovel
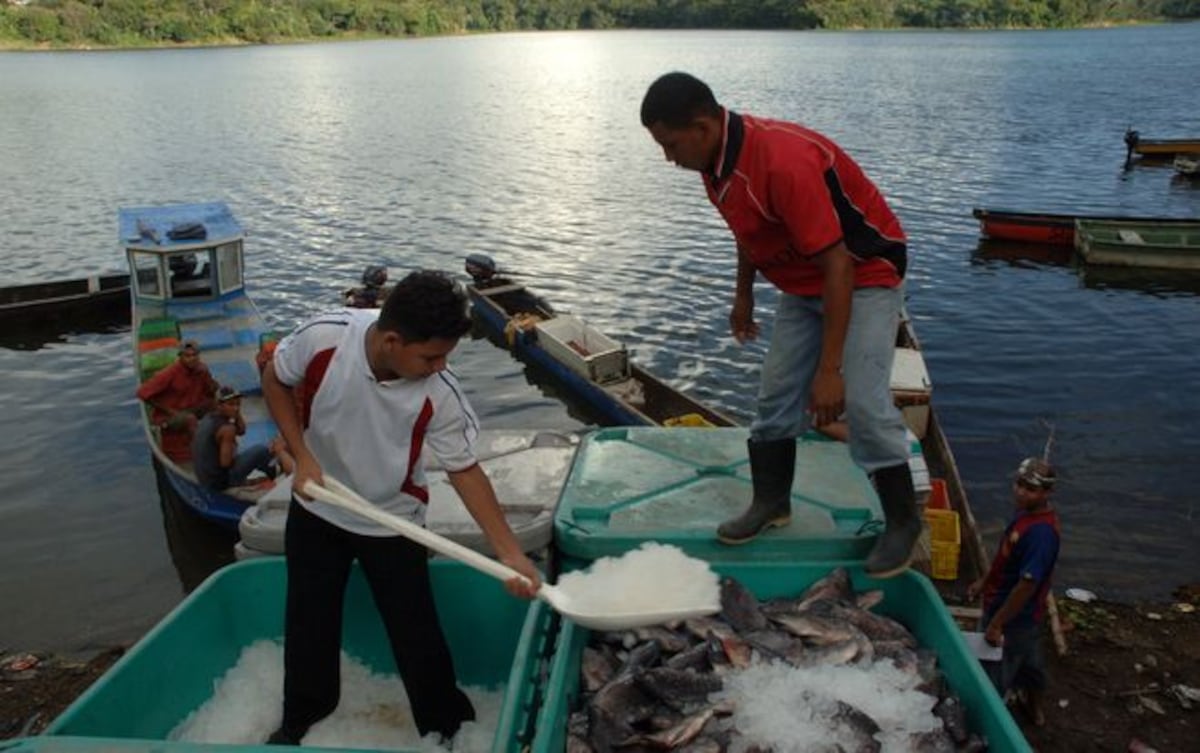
column 336, row 493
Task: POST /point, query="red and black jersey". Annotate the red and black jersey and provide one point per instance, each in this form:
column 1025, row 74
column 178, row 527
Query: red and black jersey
column 1029, row 551
column 789, row 193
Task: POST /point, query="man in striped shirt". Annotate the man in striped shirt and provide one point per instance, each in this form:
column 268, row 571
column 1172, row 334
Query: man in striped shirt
column 359, row 394
column 805, row 216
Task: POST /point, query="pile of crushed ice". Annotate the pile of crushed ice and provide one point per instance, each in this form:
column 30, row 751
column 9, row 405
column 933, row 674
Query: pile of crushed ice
column 247, row 705
column 652, row 578
column 786, row 710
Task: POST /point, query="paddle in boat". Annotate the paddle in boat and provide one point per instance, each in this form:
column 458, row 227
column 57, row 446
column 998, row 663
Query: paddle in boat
column 1174, row 245
column 1045, row 227
column 186, row 266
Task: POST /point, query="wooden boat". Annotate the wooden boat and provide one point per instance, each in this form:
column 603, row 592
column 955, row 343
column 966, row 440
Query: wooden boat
column 510, row 313
column 189, row 286
column 1158, row 245
column 1159, row 148
column 594, row 368
column 1188, row 165
column 1045, row 227
column 973, row 560
column 102, row 296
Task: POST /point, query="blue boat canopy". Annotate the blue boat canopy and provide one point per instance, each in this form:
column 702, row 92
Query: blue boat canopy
column 191, row 251
column 152, row 228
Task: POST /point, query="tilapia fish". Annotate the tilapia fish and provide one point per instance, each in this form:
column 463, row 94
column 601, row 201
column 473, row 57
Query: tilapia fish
column 658, row 689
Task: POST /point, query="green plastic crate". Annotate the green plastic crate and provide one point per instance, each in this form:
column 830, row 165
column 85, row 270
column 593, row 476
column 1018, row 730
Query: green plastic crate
column 528, row 680
column 171, row 671
column 153, row 361
column 675, row 486
column 158, row 327
column 908, row 598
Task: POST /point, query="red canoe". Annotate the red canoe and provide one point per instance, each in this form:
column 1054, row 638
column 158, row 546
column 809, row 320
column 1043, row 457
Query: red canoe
column 1042, row 227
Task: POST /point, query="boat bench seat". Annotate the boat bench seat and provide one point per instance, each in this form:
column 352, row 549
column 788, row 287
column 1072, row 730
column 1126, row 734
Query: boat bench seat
column 500, row 289
column 241, row 375
column 208, row 338
column 194, row 312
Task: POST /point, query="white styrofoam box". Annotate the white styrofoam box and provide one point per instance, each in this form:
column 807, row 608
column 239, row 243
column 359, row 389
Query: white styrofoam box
column 584, row 349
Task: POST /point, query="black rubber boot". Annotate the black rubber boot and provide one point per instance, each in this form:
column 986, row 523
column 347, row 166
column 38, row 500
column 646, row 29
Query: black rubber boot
column 893, row 551
column 283, row 736
column 772, row 465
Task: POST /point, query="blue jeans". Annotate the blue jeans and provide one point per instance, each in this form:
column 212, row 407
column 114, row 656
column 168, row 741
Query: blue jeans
column 254, row 458
column 877, row 437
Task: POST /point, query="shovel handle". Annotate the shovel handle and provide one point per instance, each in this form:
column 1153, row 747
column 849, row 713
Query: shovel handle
column 339, row 495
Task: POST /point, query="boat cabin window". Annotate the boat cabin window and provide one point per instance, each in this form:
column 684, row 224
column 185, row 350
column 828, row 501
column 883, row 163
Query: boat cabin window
column 229, row 266
column 146, row 276
column 190, row 274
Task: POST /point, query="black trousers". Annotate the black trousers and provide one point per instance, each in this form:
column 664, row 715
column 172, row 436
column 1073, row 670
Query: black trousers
column 319, row 555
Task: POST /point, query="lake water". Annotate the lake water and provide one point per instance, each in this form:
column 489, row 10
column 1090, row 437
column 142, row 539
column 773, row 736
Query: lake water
column 528, row 147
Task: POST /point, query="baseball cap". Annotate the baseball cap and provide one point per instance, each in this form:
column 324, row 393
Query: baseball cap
column 227, row 393
column 1036, row 473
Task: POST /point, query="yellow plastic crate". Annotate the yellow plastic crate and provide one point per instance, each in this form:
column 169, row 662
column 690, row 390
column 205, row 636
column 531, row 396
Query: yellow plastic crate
column 943, row 561
column 945, row 543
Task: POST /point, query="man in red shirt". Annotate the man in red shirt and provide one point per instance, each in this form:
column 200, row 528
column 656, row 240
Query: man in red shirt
column 804, row 214
column 178, row 395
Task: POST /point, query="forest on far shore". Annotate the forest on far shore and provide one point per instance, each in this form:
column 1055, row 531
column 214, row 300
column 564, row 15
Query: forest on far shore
column 142, row 23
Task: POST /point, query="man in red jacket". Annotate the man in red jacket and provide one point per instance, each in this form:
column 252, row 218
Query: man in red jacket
column 179, row 395
column 805, row 216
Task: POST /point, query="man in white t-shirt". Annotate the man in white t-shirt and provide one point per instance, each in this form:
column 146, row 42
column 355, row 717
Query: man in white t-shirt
column 358, row 394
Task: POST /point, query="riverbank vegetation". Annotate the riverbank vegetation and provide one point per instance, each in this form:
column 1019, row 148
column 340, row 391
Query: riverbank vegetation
column 140, row 23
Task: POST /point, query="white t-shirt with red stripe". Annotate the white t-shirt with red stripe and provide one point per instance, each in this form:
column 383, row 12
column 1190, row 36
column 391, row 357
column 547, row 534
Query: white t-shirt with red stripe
column 367, row 433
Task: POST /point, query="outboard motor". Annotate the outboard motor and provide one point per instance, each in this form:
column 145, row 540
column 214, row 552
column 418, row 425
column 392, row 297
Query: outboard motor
column 481, row 267
column 370, row 295
column 374, row 276
column 1131, row 142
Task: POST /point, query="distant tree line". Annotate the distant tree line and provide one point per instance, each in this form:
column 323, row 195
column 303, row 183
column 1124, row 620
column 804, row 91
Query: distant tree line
column 122, row 23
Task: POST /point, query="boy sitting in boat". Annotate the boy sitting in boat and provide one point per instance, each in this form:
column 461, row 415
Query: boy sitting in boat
column 178, row 396
column 215, row 456
column 1015, row 588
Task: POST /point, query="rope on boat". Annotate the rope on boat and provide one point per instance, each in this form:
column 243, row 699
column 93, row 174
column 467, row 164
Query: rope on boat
column 522, row 322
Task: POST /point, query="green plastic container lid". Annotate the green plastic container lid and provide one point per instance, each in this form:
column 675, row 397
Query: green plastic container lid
column 675, row 486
